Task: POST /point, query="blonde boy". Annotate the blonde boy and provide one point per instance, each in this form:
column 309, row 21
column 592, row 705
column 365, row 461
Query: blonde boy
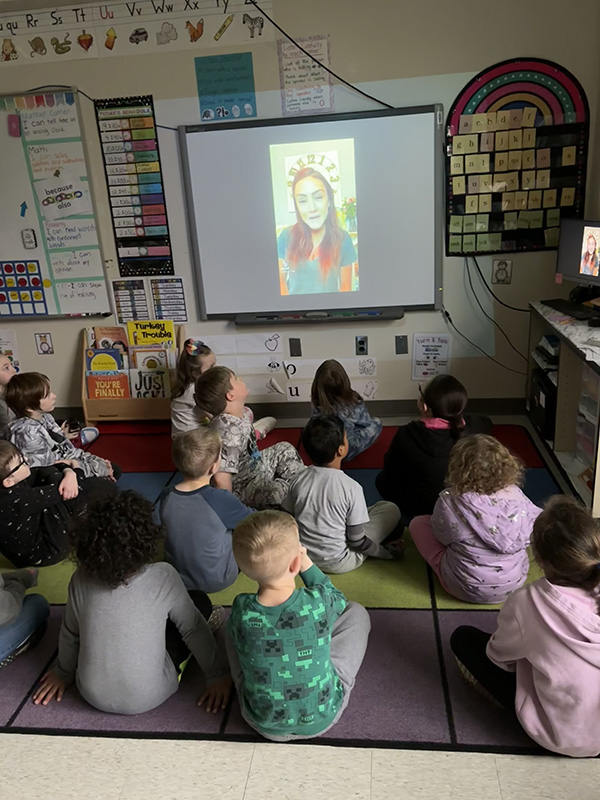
column 294, row 653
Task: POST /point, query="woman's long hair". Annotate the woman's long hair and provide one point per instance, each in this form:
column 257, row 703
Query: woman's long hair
column 331, row 388
column 591, row 260
column 300, row 244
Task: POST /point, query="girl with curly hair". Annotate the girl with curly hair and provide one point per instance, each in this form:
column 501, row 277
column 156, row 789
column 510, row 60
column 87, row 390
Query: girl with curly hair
column 128, row 618
column 476, row 539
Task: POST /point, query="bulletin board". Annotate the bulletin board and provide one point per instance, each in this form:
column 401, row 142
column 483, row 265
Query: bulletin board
column 516, row 158
column 51, row 263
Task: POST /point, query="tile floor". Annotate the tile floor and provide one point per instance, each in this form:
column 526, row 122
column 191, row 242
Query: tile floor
column 61, row 768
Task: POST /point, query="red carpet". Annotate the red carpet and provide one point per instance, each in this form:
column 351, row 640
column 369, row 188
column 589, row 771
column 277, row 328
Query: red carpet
column 146, row 446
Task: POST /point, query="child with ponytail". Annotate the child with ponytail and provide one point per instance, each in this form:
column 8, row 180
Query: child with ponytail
column 543, row 661
column 195, row 359
column 415, row 466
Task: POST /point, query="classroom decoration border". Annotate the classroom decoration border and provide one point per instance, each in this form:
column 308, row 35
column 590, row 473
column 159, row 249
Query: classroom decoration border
column 516, row 156
column 131, row 155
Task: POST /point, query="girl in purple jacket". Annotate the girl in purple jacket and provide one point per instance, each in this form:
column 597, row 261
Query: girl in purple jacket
column 476, row 539
column 543, row 661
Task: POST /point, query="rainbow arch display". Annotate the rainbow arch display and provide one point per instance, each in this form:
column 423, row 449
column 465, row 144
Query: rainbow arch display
column 556, row 94
column 516, row 158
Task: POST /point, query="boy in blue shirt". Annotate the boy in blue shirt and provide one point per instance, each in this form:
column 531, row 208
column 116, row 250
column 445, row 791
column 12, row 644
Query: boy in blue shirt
column 294, row 653
column 199, row 518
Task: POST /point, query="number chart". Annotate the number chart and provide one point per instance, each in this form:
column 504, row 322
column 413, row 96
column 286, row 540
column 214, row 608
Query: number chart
column 516, row 156
column 135, row 184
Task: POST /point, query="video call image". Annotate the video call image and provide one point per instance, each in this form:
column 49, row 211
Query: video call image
column 314, row 196
column 589, row 252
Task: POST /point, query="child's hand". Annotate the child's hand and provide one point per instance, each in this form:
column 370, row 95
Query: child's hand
column 50, row 686
column 34, row 573
column 68, row 488
column 396, row 549
column 306, row 562
column 217, row 694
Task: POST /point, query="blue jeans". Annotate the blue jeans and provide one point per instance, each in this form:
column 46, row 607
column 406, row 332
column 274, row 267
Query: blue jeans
column 35, row 612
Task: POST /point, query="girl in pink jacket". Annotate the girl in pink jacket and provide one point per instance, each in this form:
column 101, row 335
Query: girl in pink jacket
column 543, row 661
column 476, row 539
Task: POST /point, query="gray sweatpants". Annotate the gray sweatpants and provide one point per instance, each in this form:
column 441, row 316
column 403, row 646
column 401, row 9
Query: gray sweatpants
column 348, row 645
column 280, row 464
column 384, row 518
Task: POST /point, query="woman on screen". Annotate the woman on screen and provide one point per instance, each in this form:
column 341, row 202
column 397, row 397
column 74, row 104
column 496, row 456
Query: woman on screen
column 316, row 254
column 589, row 260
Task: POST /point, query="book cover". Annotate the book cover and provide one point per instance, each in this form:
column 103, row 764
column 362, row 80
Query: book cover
column 149, row 358
column 108, row 385
column 103, row 360
column 151, row 331
column 109, row 337
column 146, row 383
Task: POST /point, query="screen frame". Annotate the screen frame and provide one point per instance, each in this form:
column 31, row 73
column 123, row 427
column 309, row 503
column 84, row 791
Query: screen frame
column 578, row 279
column 435, row 109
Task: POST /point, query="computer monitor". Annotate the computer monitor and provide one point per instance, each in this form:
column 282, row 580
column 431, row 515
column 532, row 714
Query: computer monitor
column 579, row 251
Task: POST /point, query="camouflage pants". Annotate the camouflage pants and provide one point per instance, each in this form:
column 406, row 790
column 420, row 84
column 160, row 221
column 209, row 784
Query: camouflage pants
column 268, row 488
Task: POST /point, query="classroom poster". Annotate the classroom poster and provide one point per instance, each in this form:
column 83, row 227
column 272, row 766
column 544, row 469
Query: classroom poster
column 225, row 87
column 431, row 355
column 130, row 300
column 87, row 31
column 306, row 88
column 8, row 345
column 168, row 299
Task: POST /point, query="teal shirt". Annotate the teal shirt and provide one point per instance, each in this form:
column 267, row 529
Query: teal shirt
column 305, row 277
column 290, row 684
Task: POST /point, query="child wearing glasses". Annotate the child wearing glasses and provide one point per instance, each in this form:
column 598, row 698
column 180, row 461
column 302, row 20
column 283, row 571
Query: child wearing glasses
column 36, row 506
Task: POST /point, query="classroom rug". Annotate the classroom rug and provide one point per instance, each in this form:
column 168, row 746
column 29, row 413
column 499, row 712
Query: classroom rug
column 408, row 694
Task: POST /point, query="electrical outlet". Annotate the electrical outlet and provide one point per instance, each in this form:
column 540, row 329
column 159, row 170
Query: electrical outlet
column 362, row 345
column 401, row 345
column 295, row 348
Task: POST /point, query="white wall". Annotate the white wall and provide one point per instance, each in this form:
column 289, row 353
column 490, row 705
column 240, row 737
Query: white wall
column 405, row 53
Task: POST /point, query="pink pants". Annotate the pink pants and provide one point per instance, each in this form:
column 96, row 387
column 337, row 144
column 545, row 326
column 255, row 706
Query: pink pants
column 426, row 543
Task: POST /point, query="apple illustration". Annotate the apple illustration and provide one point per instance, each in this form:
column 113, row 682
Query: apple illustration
column 85, row 40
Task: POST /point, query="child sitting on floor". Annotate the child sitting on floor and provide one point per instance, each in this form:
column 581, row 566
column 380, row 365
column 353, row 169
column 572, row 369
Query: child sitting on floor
column 332, row 393
column 415, row 466
column 115, row 639
column 36, row 506
column 336, row 527
column 36, row 433
column 195, row 359
column 294, row 653
column 22, row 619
column 259, row 479
column 476, row 540
column 543, row 661
column 6, row 373
column 199, row 518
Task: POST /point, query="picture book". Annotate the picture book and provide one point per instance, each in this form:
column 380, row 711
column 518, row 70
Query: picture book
column 107, row 338
column 108, row 385
column 151, row 331
column 149, row 357
column 146, row 383
column 103, row 360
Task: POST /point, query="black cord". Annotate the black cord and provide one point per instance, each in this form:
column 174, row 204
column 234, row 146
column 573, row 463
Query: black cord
column 496, row 298
column 306, row 53
column 491, row 319
column 466, row 338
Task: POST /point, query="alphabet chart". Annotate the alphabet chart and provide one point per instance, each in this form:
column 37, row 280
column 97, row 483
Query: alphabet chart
column 516, row 155
column 51, row 262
